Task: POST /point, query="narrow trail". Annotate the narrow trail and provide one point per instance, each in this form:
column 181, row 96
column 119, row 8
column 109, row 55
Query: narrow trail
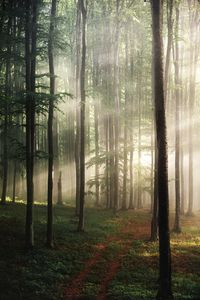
column 74, row 289
column 115, row 265
column 131, row 232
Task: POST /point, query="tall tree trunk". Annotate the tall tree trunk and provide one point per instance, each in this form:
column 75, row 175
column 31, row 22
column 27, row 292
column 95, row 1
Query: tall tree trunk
column 139, row 200
column 77, row 137
column 6, row 117
column 96, row 126
column 56, row 164
column 50, row 128
column 169, row 43
column 131, row 198
column 165, row 291
column 177, row 227
column 116, row 117
column 59, row 188
column 152, row 163
column 125, row 169
column 111, row 161
column 5, row 153
column 154, row 221
column 183, row 104
column 30, row 50
column 194, row 52
column 182, row 209
column 82, row 118
column 107, row 170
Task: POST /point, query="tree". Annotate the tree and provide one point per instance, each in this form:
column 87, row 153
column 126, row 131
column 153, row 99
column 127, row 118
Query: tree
column 165, row 290
column 50, row 126
column 177, row 227
column 125, row 159
column 6, row 112
column 169, row 43
column 82, row 116
column 77, row 138
column 30, row 58
column 117, row 110
column 154, row 220
column 194, row 52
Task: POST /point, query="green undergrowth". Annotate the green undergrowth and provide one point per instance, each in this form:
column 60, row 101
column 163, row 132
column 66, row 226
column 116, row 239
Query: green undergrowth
column 43, row 274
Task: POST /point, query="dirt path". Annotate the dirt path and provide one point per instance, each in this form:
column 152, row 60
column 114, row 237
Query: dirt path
column 132, row 231
column 74, row 289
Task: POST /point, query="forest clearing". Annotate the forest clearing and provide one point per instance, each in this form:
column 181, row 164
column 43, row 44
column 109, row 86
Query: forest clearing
column 113, row 259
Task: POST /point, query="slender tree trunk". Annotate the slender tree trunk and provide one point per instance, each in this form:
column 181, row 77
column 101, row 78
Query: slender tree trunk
column 29, row 183
column 116, row 117
column 5, row 157
column 183, row 107
column 177, row 227
column 131, row 198
column 50, row 128
column 82, row 118
column 152, row 164
column 96, row 126
column 59, row 185
column 111, row 161
column 194, row 52
column 14, row 181
column 125, row 169
column 169, row 43
column 107, row 170
column 77, row 137
column 154, row 221
column 56, row 163
column 165, row 291
column 139, row 200
column 30, row 50
column 6, row 118
column 182, row 209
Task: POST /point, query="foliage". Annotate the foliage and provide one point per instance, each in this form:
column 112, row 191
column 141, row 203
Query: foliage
column 43, row 274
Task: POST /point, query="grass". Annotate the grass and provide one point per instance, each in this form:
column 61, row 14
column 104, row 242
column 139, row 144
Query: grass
column 42, row 274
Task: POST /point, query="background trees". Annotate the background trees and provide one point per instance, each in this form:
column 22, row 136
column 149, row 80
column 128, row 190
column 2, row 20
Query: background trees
column 118, row 142
column 78, row 122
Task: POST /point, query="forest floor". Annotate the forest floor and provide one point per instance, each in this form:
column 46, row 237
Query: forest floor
column 112, row 259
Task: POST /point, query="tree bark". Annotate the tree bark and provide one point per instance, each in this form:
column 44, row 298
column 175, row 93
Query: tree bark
column 49, row 237
column 131, row 197
column 59, row 185
column 77, row 137
column 96, row 126
column 154, row 221
column 82, row 118
column 6, row 117
column 14, row 181
column 139, row 192
column 125, row 169
column 169, row 43
column 116, row 116
column 30, row 56
column 177, row 227
column 111, row 161
column 194, row 52
column 165, row 290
